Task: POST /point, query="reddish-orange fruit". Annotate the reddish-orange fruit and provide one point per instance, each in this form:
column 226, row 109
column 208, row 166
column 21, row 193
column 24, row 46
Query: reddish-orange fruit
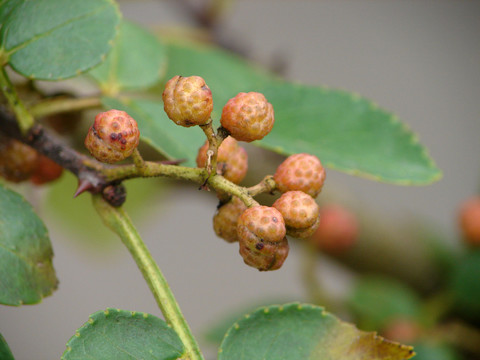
column 226, row 218
column 469, row 221
column 303, row 172
column 261, row 233
column 300, row 212
column 248, row 116
column 266, row 257
column 17, row 160
column 46, row 171
column 113, row 136
column 337, row 229
column 232, row 160
column 187, row 101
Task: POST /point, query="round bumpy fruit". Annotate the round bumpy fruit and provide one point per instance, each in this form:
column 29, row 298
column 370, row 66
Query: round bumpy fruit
column 469, row 221
column 113, row 136
column 248, row 116
column 232, row 159
column 337, row 230
column 188, row 100
column 17, row 161
column 300, row 212
column 303, row 172
column 226, row 218
column 267, row 257
column 261, row 233
column 46, row 171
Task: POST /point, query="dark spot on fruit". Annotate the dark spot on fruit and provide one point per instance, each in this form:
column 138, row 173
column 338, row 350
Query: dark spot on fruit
column 113, row 136
column 259, row 246
column 123, row 141
column 274, row 219
column 119, row 136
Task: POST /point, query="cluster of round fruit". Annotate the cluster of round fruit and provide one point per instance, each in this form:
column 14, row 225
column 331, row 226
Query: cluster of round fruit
column 260, row 230
column 20, row 162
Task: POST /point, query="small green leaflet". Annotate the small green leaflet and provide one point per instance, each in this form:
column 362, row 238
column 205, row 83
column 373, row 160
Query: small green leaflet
column 302, row 331
column 56, row 39
column 25, row 247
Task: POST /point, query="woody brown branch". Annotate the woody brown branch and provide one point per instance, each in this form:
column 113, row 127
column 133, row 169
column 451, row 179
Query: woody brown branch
column 87, row 170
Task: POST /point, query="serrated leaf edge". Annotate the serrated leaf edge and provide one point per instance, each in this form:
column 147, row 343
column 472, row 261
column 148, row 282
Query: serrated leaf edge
column 300, row 307
column 393, row 119
column 92, row 319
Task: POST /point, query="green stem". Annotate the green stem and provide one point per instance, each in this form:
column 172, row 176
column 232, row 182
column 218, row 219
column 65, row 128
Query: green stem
column 63, row 104
column 267, row 185
column 119, row 222
column 213, row 145
column 24, row 118
column 138, row 161
column 199, row 176
column 153, row 169
column 219, row 183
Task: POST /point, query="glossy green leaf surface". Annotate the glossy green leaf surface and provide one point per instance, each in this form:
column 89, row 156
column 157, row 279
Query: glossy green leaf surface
column 156, row 129
column 5, row 353
column 42, row 46
column 124, row 335
column 375, row 301
column 346, row 131
column 465, row 284
column 26, row 270
column 295, row 331
column 136, row 61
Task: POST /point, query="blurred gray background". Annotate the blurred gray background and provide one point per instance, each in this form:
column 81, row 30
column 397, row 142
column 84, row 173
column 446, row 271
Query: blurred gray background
column 418, row 59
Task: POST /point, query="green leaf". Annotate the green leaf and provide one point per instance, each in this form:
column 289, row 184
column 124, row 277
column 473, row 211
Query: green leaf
column 124, row 335
column 136, row 61
column 296, row 331
column 5, row 353
column 376, row 301
column 346, row 131
column 57, row 39
column 157, row 130
column 26, row 270
column 465, row 284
